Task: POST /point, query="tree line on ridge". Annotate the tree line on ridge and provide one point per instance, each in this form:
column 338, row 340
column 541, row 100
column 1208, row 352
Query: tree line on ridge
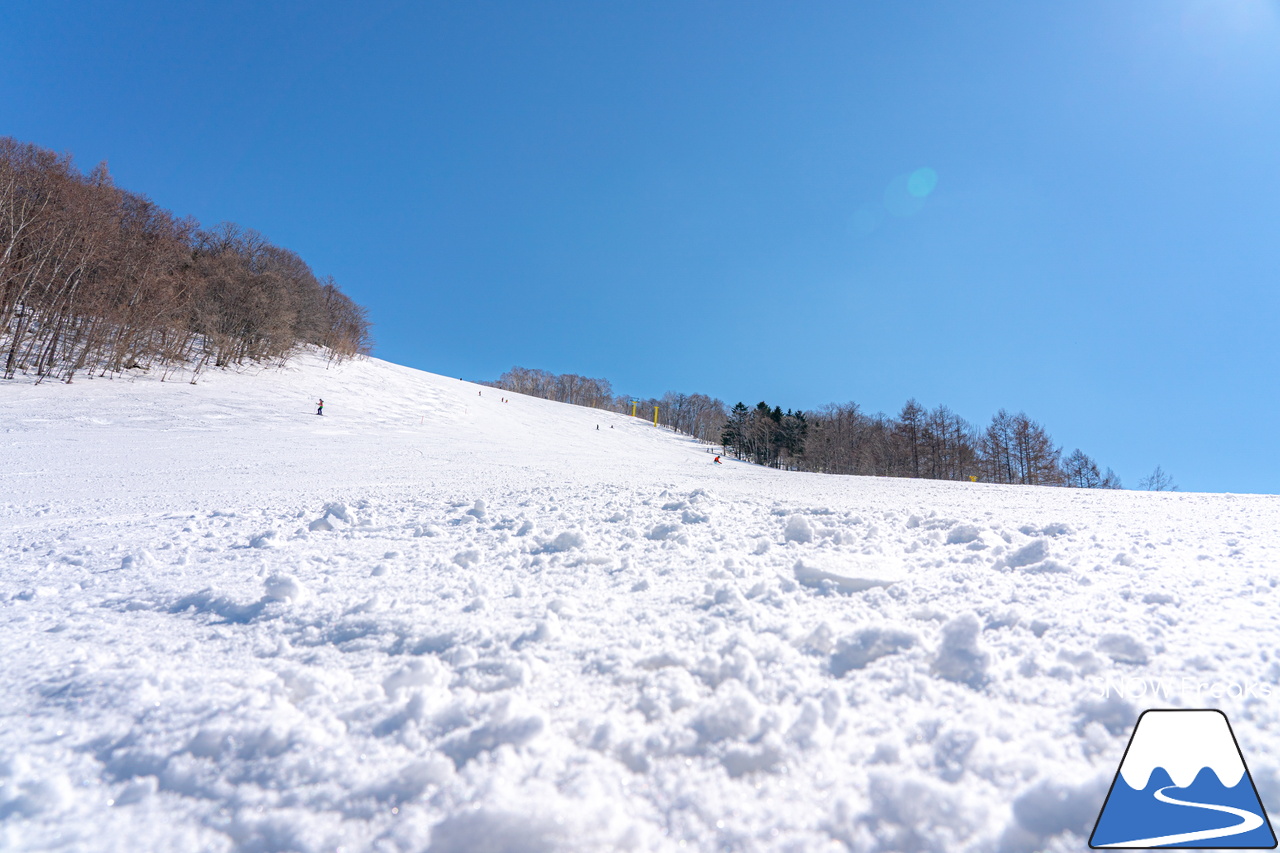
column 840, row 438
column 96, row 278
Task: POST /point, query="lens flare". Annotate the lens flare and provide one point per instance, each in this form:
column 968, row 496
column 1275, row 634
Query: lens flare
column 922, row 181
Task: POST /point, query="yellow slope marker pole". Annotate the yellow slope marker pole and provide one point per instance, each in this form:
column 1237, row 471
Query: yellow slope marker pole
column 655, row 415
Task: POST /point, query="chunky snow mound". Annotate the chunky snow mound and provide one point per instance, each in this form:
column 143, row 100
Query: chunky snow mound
column 432, row 620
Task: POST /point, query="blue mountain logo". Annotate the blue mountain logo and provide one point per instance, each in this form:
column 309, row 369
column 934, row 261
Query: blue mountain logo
column 1183, row 783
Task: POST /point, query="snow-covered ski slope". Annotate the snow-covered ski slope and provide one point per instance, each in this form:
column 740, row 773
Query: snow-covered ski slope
column 431, row 620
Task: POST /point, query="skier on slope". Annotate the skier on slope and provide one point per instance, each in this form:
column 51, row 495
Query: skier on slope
column 320, row 408
column 717, row 461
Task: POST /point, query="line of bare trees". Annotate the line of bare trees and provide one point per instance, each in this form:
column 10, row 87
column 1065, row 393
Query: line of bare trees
column 693, row 414
column 840, row 438
column 563, row 388
column 934, row 444
column 96, row 278
column 697, row 415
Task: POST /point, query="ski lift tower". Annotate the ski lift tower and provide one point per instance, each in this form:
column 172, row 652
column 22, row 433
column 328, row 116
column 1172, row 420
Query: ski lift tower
column 635, row 403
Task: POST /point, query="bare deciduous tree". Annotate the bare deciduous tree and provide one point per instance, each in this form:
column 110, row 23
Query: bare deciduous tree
column 1158, row 481
column 1080, row 471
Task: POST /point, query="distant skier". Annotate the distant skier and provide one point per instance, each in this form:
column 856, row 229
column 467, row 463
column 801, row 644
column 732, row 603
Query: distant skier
column 717, row 461
column 320, row 408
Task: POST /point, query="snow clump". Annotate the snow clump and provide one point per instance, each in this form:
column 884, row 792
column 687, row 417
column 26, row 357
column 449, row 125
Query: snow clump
column 798, row 530
column 868, row 645
column 959, row 657
column 1033, row 552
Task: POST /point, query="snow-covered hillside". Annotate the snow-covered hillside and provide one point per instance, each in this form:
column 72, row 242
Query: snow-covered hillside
column 432, row 620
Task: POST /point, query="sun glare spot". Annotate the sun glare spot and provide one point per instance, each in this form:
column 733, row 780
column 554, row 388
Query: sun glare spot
column 1232, row 29
column 922, row 182
column 906, row 194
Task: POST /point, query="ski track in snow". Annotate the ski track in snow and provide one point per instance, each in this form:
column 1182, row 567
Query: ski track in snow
column 430, row 620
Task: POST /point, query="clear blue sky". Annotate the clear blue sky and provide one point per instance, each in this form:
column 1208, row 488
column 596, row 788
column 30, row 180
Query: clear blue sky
column 712, row 197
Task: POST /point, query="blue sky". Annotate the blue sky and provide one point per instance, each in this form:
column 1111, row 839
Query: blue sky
column 710, row 196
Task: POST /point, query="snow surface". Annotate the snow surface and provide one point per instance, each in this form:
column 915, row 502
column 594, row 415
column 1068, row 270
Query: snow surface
column 433, row 621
